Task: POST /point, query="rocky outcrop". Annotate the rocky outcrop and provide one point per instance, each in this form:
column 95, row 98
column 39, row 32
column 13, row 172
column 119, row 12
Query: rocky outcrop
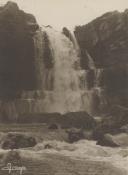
column 20, row 62
column 53, row 126
column 67, row 33
column 105, row 38
column 68, row 120
column 47, row 55
column 114, row 123
column 16, row 141
column 117, row 118
column 17, row 69
column 75, row 135
column 114, row 140
column 106, row 41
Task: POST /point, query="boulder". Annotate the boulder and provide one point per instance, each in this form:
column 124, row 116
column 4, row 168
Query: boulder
column 53, row 126
column 98, row 133
column 117, row 118
column 114, row 122
column 48, row 146
column 68, row 34
column 114, row 140
column 68, row 120
column 75, row 135
column 78, row 120
column 16, row 141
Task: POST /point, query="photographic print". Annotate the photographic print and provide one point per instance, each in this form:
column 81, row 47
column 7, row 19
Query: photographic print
column 64, row 87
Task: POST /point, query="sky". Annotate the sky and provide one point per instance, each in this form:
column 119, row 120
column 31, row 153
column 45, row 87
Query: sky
column 68, row 13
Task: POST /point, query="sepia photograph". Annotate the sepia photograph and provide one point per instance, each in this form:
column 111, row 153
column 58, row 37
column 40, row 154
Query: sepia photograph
column 64, row 87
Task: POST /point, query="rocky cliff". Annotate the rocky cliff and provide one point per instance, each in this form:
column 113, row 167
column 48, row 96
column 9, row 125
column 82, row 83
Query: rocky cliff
column 17, row 57
column 17, row 68
column 106, row 41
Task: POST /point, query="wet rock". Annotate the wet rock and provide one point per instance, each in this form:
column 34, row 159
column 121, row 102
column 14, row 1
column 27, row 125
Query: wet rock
column 78, row 120
column 75, row 134
column 16, row 141
column 114, row 122
column 67, row 33
column 47, row 54
column 48, row 146
column 114, row 140
column 98, row 133
column 116, row 118
column 53, row 126
column 107, row 140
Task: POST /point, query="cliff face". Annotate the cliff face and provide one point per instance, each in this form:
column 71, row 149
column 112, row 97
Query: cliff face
column 17, row 68
column 106, row 41
column 105, row 38
column 19, row 78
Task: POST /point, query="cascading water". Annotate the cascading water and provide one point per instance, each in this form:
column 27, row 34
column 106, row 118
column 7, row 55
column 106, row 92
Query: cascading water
column 66, row 95
column 62, row 86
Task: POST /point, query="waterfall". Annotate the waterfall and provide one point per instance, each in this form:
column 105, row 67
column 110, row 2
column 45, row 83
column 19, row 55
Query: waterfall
column 91, row 64
column 98, row 76
column 66, row 95
column 62, row 86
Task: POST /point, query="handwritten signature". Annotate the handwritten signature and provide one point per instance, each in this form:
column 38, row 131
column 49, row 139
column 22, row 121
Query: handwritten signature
column 11, row 168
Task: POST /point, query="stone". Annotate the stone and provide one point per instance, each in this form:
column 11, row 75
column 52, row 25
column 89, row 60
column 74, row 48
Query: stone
column 16, row 141
column 75, row 135
column 116, row 118
column 118, row 140
column 53, row 126
column 48, row 146
column 78, row 120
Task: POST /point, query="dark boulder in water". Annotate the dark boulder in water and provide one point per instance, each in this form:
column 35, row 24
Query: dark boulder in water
column 16, row 141
column 79, row 120
column 115, row 122
column 48, row 146
column 114, row 140
column 68, row 120
column 75, row 134
column 53, row 126
column 117, row 118
column 107, row 140
column 67, row 33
